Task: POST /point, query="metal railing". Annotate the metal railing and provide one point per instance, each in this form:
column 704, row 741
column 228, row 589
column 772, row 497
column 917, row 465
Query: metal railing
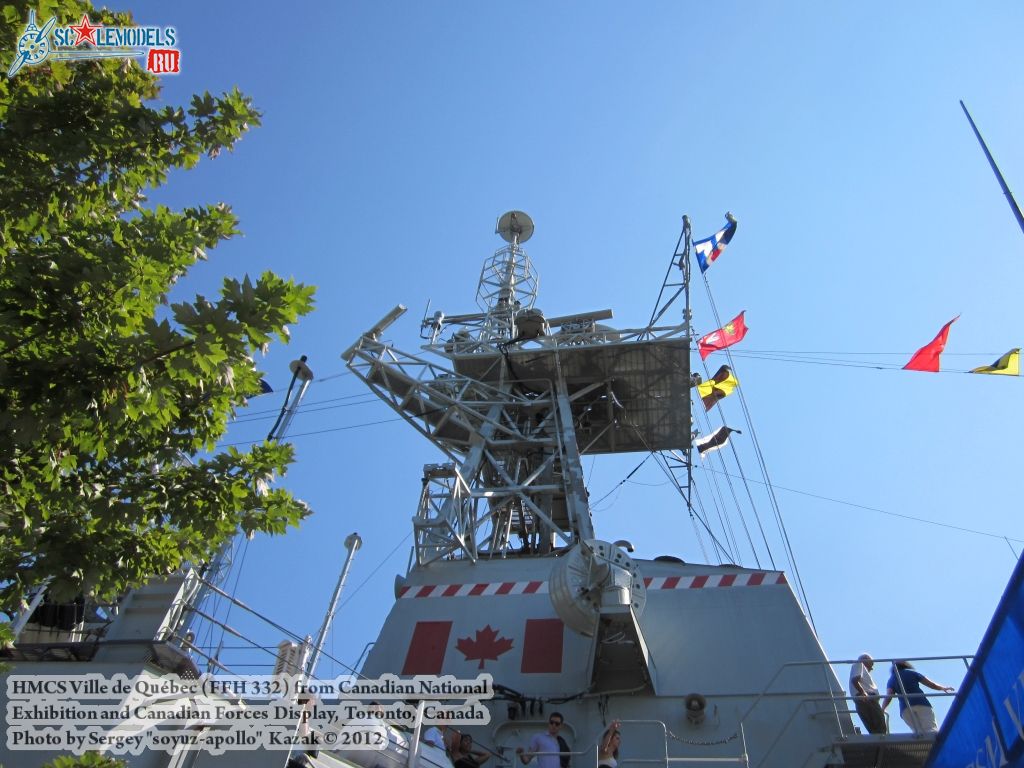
column 742, row 759
column 838, row 703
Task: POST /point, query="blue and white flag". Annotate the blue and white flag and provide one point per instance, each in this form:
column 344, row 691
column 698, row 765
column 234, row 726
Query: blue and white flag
column 710, row 249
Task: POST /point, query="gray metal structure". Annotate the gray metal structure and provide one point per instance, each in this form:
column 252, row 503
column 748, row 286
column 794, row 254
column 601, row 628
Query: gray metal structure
column 521, row 399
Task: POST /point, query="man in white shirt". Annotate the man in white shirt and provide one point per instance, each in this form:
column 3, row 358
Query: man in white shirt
column 438, row 736
column 865, row 695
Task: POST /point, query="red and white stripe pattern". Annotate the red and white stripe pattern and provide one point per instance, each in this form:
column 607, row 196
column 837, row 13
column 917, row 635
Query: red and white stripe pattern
column 705, row 581
column 476, row 590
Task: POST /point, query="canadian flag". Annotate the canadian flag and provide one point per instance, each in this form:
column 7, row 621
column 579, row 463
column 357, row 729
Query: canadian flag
column 542, row 646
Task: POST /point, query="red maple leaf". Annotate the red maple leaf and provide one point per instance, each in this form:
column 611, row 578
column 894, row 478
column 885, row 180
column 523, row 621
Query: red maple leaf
column 485, row 647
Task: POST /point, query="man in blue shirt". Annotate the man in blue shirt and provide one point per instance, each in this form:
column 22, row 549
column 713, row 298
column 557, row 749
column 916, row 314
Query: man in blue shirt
column 905, row 683
column 546, row 747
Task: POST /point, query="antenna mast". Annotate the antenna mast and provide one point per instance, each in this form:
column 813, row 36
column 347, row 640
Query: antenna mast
column 522, row 399
column 995, row 169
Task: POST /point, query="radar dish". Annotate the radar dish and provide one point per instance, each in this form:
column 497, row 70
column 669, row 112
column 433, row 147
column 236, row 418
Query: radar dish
column 515, row 226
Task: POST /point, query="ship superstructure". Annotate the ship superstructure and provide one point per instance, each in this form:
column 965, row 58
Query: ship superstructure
column 509, row 577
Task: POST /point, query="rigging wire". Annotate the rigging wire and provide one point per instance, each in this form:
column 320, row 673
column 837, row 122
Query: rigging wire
column 245, row 415
column 617, row 490
column 753, row 508
column 287, row 632
column 649, row 485
column 735, row 498
column 743, row 518
column 622, row 481
column 303, row 410
column 718, row 501
column 725, row 520
column 846, row 352
column 787, row 544
column 695, row 497
column 329, row 377
column 748, row 354
column 661, row 461
column 750, row 496
column 372, row 573
column 805, row 358
column 317, row 431
column 913, row 518
column 821, row 497
column 230, row 597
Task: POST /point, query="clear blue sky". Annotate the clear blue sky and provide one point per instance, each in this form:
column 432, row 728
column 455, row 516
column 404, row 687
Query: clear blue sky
column 395, row 133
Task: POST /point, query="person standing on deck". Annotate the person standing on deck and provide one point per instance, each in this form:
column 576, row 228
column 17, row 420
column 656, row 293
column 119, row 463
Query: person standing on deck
column 865, row 695
column 905, row 683
column 547, row 746
column 440, row 737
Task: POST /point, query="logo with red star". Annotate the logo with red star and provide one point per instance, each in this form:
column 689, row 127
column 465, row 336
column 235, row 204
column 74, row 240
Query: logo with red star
column 52, row 41
column 85, row 32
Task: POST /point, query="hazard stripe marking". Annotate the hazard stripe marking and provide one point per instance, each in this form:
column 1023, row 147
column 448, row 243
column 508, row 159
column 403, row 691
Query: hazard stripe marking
column 706, row 581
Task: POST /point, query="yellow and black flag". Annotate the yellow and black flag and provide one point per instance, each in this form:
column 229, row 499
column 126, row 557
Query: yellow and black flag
column 1007, row 365
column 720, row 385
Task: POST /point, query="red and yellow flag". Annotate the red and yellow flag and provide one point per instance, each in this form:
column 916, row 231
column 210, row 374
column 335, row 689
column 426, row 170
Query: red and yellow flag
column 726, row 336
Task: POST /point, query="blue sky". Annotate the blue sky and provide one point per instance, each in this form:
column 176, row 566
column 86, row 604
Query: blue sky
column 395, row 133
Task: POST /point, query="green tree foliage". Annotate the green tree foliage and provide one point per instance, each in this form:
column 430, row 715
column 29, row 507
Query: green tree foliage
column 104, row 392
column 88, row 760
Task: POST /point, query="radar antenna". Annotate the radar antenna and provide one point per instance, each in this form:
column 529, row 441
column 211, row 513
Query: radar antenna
column 514, row 227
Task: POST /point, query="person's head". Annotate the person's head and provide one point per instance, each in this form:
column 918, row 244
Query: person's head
column 867, row 661
column 903, row 664
column 555, row 721
column 465, row 742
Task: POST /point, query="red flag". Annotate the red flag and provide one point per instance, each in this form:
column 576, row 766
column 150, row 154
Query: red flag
column 927, row 357
column 732, row 332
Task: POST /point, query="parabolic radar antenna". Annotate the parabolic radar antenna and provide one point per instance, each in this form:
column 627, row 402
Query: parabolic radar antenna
column 515, row 227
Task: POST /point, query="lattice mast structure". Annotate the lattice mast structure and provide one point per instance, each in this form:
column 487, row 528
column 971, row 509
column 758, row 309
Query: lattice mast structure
column 521, row 398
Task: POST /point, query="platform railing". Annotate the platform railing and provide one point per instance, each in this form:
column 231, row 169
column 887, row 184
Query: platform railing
column 839, row 703
column 590, row 755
